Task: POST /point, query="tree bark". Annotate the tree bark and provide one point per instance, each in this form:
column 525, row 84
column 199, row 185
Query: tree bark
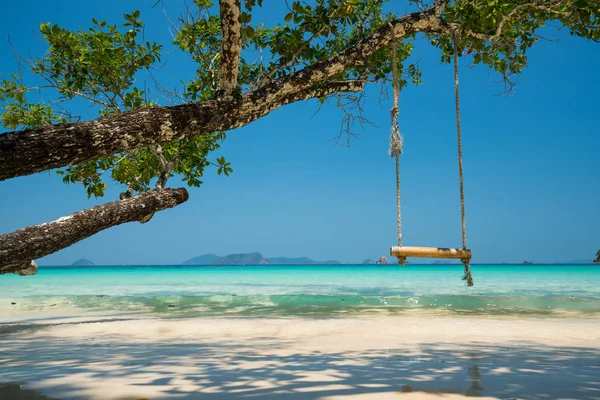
column 18, row 249
column 23, row 269
column 34, row 150
column 231, row 44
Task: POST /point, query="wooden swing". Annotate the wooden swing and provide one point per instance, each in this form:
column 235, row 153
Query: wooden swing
column 396, row 141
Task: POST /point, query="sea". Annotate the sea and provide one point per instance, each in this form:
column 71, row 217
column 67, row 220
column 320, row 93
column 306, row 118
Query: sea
column 307, row 291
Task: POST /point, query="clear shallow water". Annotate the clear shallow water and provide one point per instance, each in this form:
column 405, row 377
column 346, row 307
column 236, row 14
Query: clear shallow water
column 175, row 291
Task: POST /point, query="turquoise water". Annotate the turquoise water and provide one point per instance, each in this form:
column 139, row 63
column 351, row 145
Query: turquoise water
column 175, row 291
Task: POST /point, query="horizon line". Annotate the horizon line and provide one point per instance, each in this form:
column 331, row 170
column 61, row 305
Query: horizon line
column 308, row 265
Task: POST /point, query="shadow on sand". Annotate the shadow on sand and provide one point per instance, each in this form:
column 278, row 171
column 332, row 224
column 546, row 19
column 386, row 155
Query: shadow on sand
column 273, row 369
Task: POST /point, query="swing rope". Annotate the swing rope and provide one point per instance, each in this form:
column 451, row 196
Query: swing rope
column 396, row 139
column 468, row 277
column 396, row 143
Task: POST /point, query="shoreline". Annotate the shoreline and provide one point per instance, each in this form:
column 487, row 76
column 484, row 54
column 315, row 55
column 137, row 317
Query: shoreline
column 362, row 357
column 50, row 316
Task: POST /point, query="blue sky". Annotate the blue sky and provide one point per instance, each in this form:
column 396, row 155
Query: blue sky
column 530, row 159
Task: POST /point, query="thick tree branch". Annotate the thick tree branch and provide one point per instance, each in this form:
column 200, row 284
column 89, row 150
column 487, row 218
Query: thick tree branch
column 231, row 44
column 327, row 88
column 29, row 151
column 23, row 269
column 18, row 249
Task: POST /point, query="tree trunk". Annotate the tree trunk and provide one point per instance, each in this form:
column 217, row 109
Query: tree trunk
column 231, row 44
column 18, row 249
column 53, row 146
column 23, row 269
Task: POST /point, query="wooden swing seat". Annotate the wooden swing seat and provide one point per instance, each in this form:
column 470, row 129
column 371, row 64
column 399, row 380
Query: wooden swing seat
column 430, row 252
column 396, row 142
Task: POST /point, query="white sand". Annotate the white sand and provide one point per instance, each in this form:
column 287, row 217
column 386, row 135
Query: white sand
column 295, row 358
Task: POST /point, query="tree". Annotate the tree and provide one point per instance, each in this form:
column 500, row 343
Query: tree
column 597, row 260
column 321, row 49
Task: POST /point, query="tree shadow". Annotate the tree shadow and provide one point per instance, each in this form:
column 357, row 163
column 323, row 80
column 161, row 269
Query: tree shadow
column 13, row 391
column 272, row 368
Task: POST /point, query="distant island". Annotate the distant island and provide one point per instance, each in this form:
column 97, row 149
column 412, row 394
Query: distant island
column 257, row 258
column 205, row 259
column 254, row 259
column 83, row 262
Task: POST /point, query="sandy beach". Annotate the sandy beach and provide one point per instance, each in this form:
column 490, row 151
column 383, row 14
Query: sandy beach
column 300, row 200
column 300, row 358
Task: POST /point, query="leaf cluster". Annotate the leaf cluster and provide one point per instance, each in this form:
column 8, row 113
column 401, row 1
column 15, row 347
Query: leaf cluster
column 101, row 65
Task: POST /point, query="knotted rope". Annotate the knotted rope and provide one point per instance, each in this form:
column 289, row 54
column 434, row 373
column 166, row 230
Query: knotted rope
column 396, row 139
column 468, row 277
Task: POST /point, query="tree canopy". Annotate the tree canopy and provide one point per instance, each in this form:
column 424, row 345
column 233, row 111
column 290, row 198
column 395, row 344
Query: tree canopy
column 245, row 68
